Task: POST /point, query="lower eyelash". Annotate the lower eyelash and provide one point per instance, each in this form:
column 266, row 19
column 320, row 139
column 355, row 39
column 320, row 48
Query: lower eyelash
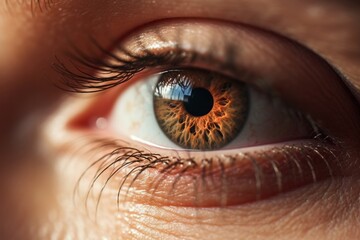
column 160, row 176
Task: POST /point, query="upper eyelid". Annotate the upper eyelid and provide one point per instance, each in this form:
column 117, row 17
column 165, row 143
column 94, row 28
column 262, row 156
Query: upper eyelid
column 314, row 71
column 78, row 80
column 132, row 63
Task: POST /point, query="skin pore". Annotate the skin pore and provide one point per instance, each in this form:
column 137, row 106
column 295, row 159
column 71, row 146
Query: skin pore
column 42, row 158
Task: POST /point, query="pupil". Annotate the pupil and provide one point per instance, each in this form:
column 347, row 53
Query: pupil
column 199, row 103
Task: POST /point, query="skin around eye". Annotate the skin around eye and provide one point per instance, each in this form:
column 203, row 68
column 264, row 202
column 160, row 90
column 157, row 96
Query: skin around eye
column 265, row 61
column 39, row 172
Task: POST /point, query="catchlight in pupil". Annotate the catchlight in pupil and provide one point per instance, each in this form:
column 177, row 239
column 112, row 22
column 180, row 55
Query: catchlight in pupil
column 199, row 103
column 198, row 109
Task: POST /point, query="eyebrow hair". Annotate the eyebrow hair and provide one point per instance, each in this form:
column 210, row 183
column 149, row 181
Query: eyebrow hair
column 33, row 5
column 42, row 4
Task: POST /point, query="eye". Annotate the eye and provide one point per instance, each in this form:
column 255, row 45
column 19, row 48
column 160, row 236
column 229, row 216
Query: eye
column 210, row 114
column 202, row 110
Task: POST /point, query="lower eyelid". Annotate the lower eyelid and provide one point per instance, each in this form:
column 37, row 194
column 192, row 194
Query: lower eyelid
column 212, row 181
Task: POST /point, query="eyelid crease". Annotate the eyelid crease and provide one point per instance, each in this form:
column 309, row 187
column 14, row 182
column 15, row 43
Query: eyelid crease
column 354, row 89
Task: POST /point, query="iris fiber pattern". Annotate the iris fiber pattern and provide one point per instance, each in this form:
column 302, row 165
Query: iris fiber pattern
column 198, row 109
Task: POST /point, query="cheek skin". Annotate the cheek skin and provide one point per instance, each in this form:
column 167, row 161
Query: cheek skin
column 317, row 212
column 271, row 220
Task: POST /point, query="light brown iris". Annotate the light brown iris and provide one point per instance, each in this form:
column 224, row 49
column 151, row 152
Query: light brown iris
column 199, row 109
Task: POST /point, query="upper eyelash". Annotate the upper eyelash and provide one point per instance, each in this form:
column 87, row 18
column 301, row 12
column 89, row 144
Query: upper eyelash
column 76, row 79
column 88, row 81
